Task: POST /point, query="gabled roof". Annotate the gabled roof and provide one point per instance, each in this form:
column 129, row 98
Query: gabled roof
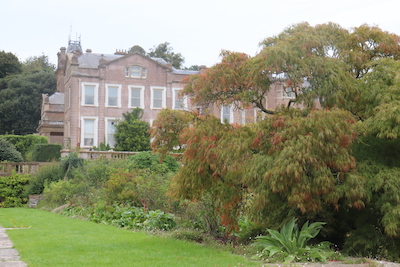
column 91, row 60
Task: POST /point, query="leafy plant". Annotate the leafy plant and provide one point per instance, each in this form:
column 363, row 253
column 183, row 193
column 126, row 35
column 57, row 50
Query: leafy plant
column 61, row 192
column 46, row 174
column 132, row 134
column 153, row 162
column 72, row 161
column 139, row 187
column 290, row 244
column 8, row 152
column 11, row 190
column 123, row 216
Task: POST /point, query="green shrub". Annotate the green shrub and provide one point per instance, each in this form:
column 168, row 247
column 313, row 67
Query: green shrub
column 46, row 175
column 8, row 152
column 148, row 160
column 140, row 187
column 46, row 152
column 61, row 192
column 132, row 133
column 26, row 143
column 96, row 172
column 12, row 189
column 248, row 231
column 70, row 162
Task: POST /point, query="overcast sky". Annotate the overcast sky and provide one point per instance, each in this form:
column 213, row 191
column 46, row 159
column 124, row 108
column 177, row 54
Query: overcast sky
column 199, row 30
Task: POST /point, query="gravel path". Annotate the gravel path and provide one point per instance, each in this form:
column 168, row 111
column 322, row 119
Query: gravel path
column 9, row 256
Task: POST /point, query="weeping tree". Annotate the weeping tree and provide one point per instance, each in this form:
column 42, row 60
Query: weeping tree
column 337, row 164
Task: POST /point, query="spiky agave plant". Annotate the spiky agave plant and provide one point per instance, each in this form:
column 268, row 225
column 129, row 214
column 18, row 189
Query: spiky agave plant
column 291, row 243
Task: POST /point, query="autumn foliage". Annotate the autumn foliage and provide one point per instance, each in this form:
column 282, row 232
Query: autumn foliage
column 337, row 164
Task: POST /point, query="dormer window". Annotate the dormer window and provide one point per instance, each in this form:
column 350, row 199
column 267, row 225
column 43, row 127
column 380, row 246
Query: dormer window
column 135, row 72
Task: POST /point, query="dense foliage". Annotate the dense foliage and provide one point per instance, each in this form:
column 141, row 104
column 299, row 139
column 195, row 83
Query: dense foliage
column 8, row 152
column 164, row 51
column 20, row 101
column 21, row 89
column 336, row 165
column 12, row 189
column 128, row 217
column 9, row 64
column 26, row 143
column 132, row 134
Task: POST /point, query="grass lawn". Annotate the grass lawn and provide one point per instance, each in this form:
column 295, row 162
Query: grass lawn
column 53, row 240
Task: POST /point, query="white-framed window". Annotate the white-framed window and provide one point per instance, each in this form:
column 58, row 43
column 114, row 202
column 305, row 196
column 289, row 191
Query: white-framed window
column 113, row 95
column 110, row 131
column 178, row 101
column 287, row 92
column 136, row 71
column 136, row 96
column 158, row 97
column 226, row 114
column 90, row 94
column 89, row 131
column 242, row 116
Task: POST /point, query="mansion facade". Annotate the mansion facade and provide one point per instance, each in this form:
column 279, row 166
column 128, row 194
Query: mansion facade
column 94, row 90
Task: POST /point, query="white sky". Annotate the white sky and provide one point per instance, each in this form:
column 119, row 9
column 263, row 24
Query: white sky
column 199, row 30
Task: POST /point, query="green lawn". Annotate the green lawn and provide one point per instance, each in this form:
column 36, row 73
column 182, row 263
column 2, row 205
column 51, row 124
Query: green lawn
column 50, row 239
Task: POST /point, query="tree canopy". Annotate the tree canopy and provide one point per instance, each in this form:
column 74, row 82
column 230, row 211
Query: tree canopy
column 9, row 64
column 21, row 94
column 336, row 164
column 165, row 51
column 37, row 63
column 324, row 62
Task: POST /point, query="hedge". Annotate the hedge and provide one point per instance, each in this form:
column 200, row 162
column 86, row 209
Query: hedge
column 46, row 152
column 25, row 143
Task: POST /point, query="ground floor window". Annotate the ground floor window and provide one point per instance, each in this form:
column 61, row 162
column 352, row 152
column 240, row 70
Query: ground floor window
column 89, row 131
column 110, row 139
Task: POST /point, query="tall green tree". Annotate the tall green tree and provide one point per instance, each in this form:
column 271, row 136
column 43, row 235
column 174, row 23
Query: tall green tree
column 132, row 134
column 20, row 102
column 9, row 64
column 165, row 51
column 37, row 63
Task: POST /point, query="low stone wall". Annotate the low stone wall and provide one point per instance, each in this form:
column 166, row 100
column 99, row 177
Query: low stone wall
column 6, row 168
column 34, row 200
